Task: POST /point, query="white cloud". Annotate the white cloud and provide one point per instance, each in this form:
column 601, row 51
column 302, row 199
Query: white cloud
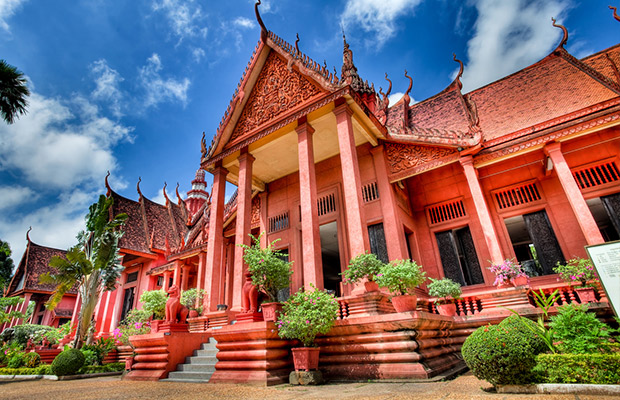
column 159, row 89
column 510, row 35
column 243, row 22
column 376, row 17
column 184, row 17
column 7, row 9
column 11, row 196
column 394, row 97
column 60, row 144
column 198, row 54
column 107, row 82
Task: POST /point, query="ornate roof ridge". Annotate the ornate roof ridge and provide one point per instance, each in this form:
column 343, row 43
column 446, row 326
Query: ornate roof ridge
column 588, row 70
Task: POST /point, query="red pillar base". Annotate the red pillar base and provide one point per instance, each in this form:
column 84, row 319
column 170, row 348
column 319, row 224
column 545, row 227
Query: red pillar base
column 369, row 303
column 244, row 318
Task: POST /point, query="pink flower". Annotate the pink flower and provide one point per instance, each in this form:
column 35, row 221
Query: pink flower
column 307, row 321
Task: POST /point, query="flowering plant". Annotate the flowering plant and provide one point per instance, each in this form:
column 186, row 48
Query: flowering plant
column 362, row 266
column 270, row 272
column 135, row 323
column 192, row 299
column 507, row 271
column 306, row 314
column 578, row 270
column 444, row 288
column 400, row 277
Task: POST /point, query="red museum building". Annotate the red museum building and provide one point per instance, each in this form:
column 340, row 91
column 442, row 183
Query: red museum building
column 526, row 167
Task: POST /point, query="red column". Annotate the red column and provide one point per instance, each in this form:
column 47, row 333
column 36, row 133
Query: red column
column 490, row 236
column 215, row 246
column 22, row 309
column 351, row 182
column 202, row 265
column 185, row 276
column 311, row 240
column 262, row 223
column 575, row 198
column 242, row 229
column 166, row 285
column 176, row 280
column 396, row 245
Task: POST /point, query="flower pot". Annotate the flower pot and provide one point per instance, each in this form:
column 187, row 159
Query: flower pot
column 193, row 313
column 371, row 286
column 404, row 303
column 521, row 281
column 448, row 309
column 586, row 294
column 504, row 285
column 271, row 311
column 305, row 358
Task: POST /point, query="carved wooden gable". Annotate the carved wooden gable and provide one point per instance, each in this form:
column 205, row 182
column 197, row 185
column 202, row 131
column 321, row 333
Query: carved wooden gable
column 276, row 91
column 407, row 160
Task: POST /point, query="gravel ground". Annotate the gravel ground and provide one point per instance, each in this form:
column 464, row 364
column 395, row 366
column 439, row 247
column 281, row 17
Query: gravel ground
column 463, row 387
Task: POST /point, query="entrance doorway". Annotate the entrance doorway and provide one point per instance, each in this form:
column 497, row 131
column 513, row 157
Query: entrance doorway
column 330, row 256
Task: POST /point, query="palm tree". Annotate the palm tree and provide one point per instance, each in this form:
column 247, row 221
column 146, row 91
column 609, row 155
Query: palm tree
column 93, row 264
column 13, row 92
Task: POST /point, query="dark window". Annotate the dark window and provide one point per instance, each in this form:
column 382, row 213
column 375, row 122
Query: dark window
column 458, row 256
column 378, row 247
column 132, row 277
column 127, row 302
column 612, row 206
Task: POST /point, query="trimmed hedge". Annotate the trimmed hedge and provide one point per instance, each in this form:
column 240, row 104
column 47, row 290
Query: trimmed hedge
column 579, row 368
column 32, row 360
column 40, row 370
column 505, row 353
column 95, row 369
column 68, row 362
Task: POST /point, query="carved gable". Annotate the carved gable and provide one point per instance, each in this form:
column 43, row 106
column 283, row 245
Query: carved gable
column 407, row 160
column 276, row 91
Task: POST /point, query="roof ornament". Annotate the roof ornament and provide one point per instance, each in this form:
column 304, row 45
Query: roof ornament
column 564, row 30
column 616, row 16
column 297, row 44
column 28, row 235
column 410, row 84
column 107, row 185
column 138, row 186
column 178, row 195
column 203, row 146
column 166, row 194
column 458, row 76
column 263, row 30
column 389, row 87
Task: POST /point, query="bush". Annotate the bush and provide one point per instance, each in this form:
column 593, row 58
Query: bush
column 444, row 288
column 193, row 296
column 602, row 369
column 96, row 369
column 99, row 349
column 505, row 353
column 579, row 332
column 154, row 303
column 68, row 362
column 362, row 266
column 16, row 360
column 400, row 276
column 90, row 357
column 135, row 323
column 32, row 360
column 40, row 370
column 30, row 331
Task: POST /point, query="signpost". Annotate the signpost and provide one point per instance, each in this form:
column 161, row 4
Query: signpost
column 606, row 260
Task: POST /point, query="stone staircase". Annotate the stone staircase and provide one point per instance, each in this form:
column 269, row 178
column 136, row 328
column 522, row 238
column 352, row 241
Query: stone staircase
column 197, row 368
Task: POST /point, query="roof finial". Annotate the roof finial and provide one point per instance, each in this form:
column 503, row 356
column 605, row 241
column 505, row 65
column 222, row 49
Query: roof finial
column 178, row 195
column 263, row 30
column 564, row 30
column 410, row 84
column 297, row 44
column 203, row 145
column 107, row 185
column 166, row 194
column 138, row 186
column 28, row 235
column 387, row 93
column 458, row 76
column 615, row 13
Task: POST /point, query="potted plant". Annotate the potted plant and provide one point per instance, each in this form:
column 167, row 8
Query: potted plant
column 400, row 277
column 270, row 273
column 580, row 270
column 444, row 289
column 306, row 314
column 509, row 272
column 363, row 266
column 192, row 299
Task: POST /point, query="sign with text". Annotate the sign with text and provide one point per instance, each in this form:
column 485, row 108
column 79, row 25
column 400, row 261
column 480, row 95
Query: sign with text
column 606, row 260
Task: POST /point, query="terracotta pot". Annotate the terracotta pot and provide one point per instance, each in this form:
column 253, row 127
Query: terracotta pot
column 128, row 363
column 271, row 311
column 371, row 286
column 586, row 294
column 306, row 358
column 521, row 281
column 505, row 285
column 447, row 309
column 193, row 313
column 404, row 303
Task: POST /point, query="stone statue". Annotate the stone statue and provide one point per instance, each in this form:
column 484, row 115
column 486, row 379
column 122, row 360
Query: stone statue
column 175, row 312
column 250, row 295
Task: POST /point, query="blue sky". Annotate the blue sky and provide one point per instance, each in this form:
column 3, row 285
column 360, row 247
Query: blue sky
column 129, row 86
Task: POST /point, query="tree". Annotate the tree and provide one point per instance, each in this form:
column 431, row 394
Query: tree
column 13, row 92
column 6, row 266
column 93, row 264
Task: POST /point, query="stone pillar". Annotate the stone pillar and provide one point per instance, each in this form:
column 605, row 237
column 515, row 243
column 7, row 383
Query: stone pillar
column 242, row 229
column 393, row 228
column 351, row 182
column 202, row 265
column 215, row 246
column 176, row 280
column 262, row 223
column 166, row 285
column 484, row 216
column 311, row 240
column 185, row 276
column 573, row 194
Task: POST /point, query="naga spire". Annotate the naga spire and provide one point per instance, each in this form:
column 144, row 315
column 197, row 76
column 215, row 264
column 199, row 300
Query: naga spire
column 263, row 30
column 564, row 31
column 203, row 146
column 389, row 90
column 178, row 195
column 616, row 16
column 410, row 85
column 138, row 186
column 166, row 194
column 348, row 75
column 28, row 235
column 458, row 76
column 297, row 44
column 107, row 185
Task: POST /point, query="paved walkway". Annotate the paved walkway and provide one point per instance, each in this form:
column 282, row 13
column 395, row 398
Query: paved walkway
column 464, row 387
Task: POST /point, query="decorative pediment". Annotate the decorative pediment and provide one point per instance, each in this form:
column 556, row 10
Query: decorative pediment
column 407, row 160
column 278, row 89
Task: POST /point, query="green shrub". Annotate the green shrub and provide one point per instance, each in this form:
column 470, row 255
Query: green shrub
column 16, row 360
column 444, row 288
column 30, row 331
column 32, row 360
column 90, row 357
column 579, row 332
column 401, row 277
column 505, row 353
column 192, row 297
column 154, row 303
column 99, row 349
column 362, row 266
column 96, row 369
column 603, row 369
column 40, row 370
column 68, row 362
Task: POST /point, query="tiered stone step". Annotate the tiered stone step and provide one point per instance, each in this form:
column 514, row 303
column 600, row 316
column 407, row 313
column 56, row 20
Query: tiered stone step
column 197, row 368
